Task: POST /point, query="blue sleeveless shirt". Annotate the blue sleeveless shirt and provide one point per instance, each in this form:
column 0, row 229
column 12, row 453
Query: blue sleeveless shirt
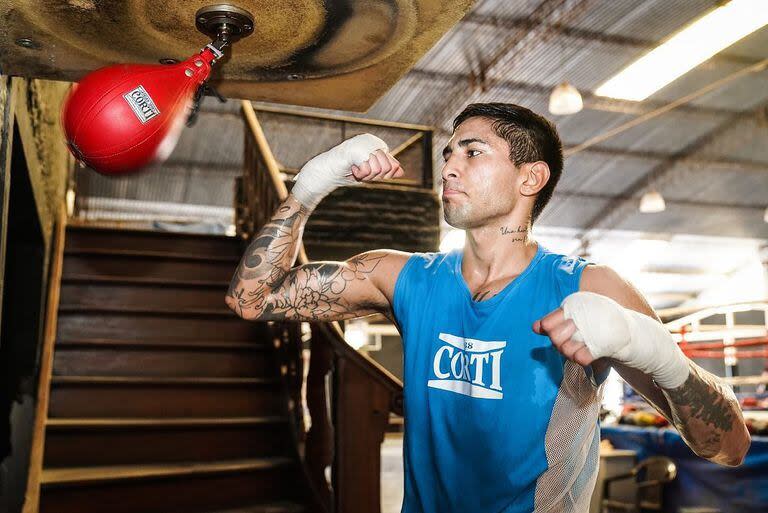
column 496, row 420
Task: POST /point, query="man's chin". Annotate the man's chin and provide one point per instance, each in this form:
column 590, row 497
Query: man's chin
column 455, row 221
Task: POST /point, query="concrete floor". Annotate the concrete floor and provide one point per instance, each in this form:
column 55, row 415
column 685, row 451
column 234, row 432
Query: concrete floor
column 392, row 473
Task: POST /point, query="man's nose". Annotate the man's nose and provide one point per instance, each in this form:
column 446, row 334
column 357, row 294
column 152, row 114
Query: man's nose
column 449, row 171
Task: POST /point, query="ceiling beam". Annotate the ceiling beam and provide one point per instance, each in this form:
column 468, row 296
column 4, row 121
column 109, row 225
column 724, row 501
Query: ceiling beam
column 611, row 214
column 516, row 23
column 684, row 100
column 738, row 165
column 625, row 198
column 591, row 101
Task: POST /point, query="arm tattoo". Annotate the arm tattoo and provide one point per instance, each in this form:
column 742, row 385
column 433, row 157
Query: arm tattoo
column 267, row 288
column 704, row 411
column 315, row 291
column 268, row 258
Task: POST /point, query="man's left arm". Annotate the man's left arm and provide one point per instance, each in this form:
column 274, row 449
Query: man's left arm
column 610, row 323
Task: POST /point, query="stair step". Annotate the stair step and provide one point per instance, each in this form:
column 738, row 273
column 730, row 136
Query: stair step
column 173, row 326
column 282, row 507
column 100, row 396
column 157, row 381
column 152, row 361
column 140, row 280
column 87, row 475
column 144, row 310
column 146, row 267
column 156, row 255
column 191, row 488
column 140, row 297
column 85, row 238
column 100, row 442
column 162, row 344
column 161, row 422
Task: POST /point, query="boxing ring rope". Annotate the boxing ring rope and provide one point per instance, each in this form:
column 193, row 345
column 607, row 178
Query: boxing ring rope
column 729, row 342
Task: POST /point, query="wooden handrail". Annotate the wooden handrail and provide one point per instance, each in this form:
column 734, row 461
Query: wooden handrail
column 269, row 159
column 373, row 368
column 32, row 498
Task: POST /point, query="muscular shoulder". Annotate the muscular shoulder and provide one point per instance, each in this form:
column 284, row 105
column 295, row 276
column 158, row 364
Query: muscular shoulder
column 383, row 267
column 603, row 280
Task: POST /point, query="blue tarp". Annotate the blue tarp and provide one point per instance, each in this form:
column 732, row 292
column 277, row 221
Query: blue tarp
column 699, row 482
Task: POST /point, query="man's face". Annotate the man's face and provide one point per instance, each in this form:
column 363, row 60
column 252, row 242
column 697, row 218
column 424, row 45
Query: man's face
column 479, row 179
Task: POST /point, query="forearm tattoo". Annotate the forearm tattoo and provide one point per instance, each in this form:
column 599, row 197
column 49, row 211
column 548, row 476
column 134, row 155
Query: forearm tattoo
column 316, row 291
column 704, row 411
column 266, row 288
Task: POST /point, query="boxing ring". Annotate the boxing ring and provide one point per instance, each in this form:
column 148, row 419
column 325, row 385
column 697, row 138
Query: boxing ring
column 736, row 336
column 717, row 334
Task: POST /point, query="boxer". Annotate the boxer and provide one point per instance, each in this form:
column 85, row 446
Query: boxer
column 506, row 344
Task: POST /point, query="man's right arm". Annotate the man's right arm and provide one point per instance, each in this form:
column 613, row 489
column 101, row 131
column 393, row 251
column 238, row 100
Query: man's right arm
column 265, row 287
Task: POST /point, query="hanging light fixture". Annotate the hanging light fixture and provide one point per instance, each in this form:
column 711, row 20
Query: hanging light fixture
column 565, row 99
column 652, row 202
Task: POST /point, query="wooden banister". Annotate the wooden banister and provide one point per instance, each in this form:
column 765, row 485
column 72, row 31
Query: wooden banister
column 32, row 496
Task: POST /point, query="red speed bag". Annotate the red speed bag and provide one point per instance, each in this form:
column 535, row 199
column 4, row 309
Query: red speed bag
column 121, row 118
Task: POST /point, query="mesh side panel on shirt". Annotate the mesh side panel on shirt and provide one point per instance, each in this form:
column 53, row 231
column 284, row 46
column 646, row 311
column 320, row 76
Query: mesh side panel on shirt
column 572, row 454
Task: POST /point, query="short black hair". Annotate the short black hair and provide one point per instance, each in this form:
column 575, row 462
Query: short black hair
column 531, row 138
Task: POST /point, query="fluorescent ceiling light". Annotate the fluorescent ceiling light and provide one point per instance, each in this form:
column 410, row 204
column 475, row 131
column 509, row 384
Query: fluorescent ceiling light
column 687, row 49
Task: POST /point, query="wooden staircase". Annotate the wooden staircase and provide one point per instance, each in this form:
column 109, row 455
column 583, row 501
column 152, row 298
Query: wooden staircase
column 161, row 399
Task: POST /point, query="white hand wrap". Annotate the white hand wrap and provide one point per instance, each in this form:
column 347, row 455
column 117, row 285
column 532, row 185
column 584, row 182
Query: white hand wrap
column 327, row 171
column 636, row 340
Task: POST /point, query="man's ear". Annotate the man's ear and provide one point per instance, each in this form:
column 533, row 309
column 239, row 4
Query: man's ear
column 535, row 176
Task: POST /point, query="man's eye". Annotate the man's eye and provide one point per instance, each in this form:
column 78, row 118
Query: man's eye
column 473, row 153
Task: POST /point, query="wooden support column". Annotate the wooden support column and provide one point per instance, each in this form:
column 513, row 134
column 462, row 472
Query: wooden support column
column 320, row 437
column 362, row 414
column 7, row 101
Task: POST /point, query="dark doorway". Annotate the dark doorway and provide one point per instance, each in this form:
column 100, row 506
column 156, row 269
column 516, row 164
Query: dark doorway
column 20, row 330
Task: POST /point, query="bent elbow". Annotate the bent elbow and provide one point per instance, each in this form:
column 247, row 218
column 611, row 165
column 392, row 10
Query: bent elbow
column 743, row 449
column 232, row 305
column 731, row 460
column 248, row 314
column 737, row 451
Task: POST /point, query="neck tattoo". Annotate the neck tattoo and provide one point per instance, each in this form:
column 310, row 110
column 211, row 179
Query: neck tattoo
column 519, row 234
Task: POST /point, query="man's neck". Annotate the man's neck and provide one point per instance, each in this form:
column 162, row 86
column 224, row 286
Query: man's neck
column 498, row 250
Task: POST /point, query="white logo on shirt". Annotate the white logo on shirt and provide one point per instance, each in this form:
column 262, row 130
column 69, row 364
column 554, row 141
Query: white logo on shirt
column 468, row 366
